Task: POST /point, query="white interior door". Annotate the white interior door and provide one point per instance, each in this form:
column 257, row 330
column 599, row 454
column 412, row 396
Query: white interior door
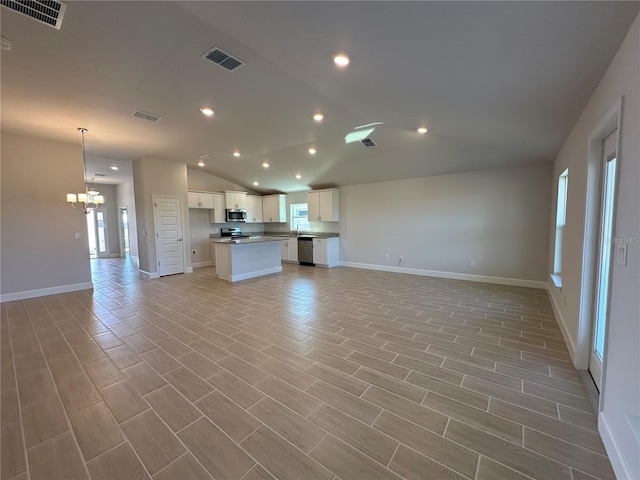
column 169, row 244
column 604, row 257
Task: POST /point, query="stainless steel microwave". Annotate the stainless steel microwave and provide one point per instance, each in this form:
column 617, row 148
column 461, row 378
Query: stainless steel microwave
column 236, row 215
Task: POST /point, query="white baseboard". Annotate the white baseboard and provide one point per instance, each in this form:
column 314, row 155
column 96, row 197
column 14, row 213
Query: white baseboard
column 41, row 292
column 258, row 273
column 516, row 282
column 201, row 264
column 148, row 275
column 571, row 346
column 618, row 462
column 134, row 259
column 188, row 270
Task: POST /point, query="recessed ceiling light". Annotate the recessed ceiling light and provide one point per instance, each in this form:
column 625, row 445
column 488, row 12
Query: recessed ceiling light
column 236, row 154
column 318, row 117
column 113, row 167
column 265, row 164
column 207, row 111
column 256, row 183
column 423, row 130
column 201, row 163
column 298, row 176
column 341, row 60
column 312, row 151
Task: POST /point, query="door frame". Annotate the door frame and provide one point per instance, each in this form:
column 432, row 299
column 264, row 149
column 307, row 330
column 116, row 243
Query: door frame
column 180, row 198
column 609, row 122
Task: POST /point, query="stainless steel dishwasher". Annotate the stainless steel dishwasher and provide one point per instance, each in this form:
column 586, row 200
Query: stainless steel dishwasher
column 305, row 251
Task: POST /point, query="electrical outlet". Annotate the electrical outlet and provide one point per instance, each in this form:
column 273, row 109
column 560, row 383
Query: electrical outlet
column 79, row 236
column 473, row 263
column 386, row 256
column 193, row 252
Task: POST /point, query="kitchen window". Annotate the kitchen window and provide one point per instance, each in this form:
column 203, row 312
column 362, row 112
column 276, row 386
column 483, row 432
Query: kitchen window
column 299, row 216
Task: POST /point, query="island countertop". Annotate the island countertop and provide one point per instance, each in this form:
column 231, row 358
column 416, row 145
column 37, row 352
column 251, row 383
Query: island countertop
column 243, row 241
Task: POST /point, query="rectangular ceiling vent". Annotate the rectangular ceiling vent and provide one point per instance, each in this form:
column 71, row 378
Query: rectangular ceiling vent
column 367, row 142
column 49, row 12
column 222, row 58
column 146, row 116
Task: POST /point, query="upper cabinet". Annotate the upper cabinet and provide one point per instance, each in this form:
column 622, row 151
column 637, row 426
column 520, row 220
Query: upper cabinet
column 274, row 209
column 323, row 205
column 200, row 200
column 218, row 214
column 254, row 209
column 236, row 199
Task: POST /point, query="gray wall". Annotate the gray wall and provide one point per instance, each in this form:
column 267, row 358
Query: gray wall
column 38, row 227
column 621, row 396
column 499, row 218
column 153, row 176
column 126, row 198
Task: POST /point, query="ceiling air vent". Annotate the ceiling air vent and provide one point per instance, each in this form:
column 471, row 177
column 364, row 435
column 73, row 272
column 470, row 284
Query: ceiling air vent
column 147, row 116
column 49, row 12
column 222, row 58
column 367, row 142
column 99, row 174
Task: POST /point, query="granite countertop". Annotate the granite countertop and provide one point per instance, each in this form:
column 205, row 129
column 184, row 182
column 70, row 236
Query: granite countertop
column 278, row 235
column 243, row 241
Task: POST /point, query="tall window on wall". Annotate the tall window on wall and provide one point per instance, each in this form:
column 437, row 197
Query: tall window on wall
column 561, row 217
column 299, row 216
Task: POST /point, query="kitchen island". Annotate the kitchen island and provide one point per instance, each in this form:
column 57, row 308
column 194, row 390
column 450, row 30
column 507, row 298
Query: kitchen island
column 240, row 259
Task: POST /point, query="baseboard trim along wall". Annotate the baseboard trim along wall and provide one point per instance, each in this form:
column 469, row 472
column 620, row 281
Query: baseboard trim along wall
column 618, row 463
column 41, row 292
column 258, row 273
column 561, row 323
column 201, row 264
column 516, row 282
column 148, row 275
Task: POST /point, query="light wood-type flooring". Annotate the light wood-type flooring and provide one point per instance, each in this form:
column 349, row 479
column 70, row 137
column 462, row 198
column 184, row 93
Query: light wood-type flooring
column 308, row 374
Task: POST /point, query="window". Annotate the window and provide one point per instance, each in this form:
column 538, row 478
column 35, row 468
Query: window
column 561, row 217
column 299, row 216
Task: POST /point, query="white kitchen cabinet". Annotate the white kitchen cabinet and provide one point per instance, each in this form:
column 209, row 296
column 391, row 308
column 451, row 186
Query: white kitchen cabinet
column 274, row 209
column 218, row 213
column 254, row 209
column 235, row 199
column 289, row 250
column 200, row 200
column 323, row 205
column 326, row 252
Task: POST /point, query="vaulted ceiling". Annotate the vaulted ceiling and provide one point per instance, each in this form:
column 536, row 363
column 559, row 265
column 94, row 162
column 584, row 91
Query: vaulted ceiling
column 496, row 84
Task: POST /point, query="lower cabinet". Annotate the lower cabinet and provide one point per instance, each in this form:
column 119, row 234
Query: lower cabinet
column 326, row 252
column 289, row 250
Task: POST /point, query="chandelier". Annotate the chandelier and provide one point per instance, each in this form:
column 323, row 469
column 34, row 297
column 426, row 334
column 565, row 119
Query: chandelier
column 90, row 198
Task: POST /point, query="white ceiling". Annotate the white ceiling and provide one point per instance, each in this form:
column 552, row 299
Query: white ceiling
column 496, row 83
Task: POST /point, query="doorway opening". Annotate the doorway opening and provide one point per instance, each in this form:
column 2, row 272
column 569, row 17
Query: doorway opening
column 97, row 232
column 597, row 253
column 123, row 221
column 604, row 254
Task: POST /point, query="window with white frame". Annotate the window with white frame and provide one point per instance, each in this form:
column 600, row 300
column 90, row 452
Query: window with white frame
column 561, row 217
column 299, row 216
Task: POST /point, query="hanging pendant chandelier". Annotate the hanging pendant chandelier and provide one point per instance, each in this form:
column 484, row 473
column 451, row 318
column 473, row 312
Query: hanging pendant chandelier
column 90, row 199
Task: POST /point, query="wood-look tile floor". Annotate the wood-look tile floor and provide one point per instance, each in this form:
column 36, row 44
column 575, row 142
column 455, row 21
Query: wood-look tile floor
column 307, row 374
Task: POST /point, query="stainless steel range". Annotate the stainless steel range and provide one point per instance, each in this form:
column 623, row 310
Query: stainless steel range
column 233, row 232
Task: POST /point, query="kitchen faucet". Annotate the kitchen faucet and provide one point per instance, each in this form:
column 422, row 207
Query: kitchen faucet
column 297, row 229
